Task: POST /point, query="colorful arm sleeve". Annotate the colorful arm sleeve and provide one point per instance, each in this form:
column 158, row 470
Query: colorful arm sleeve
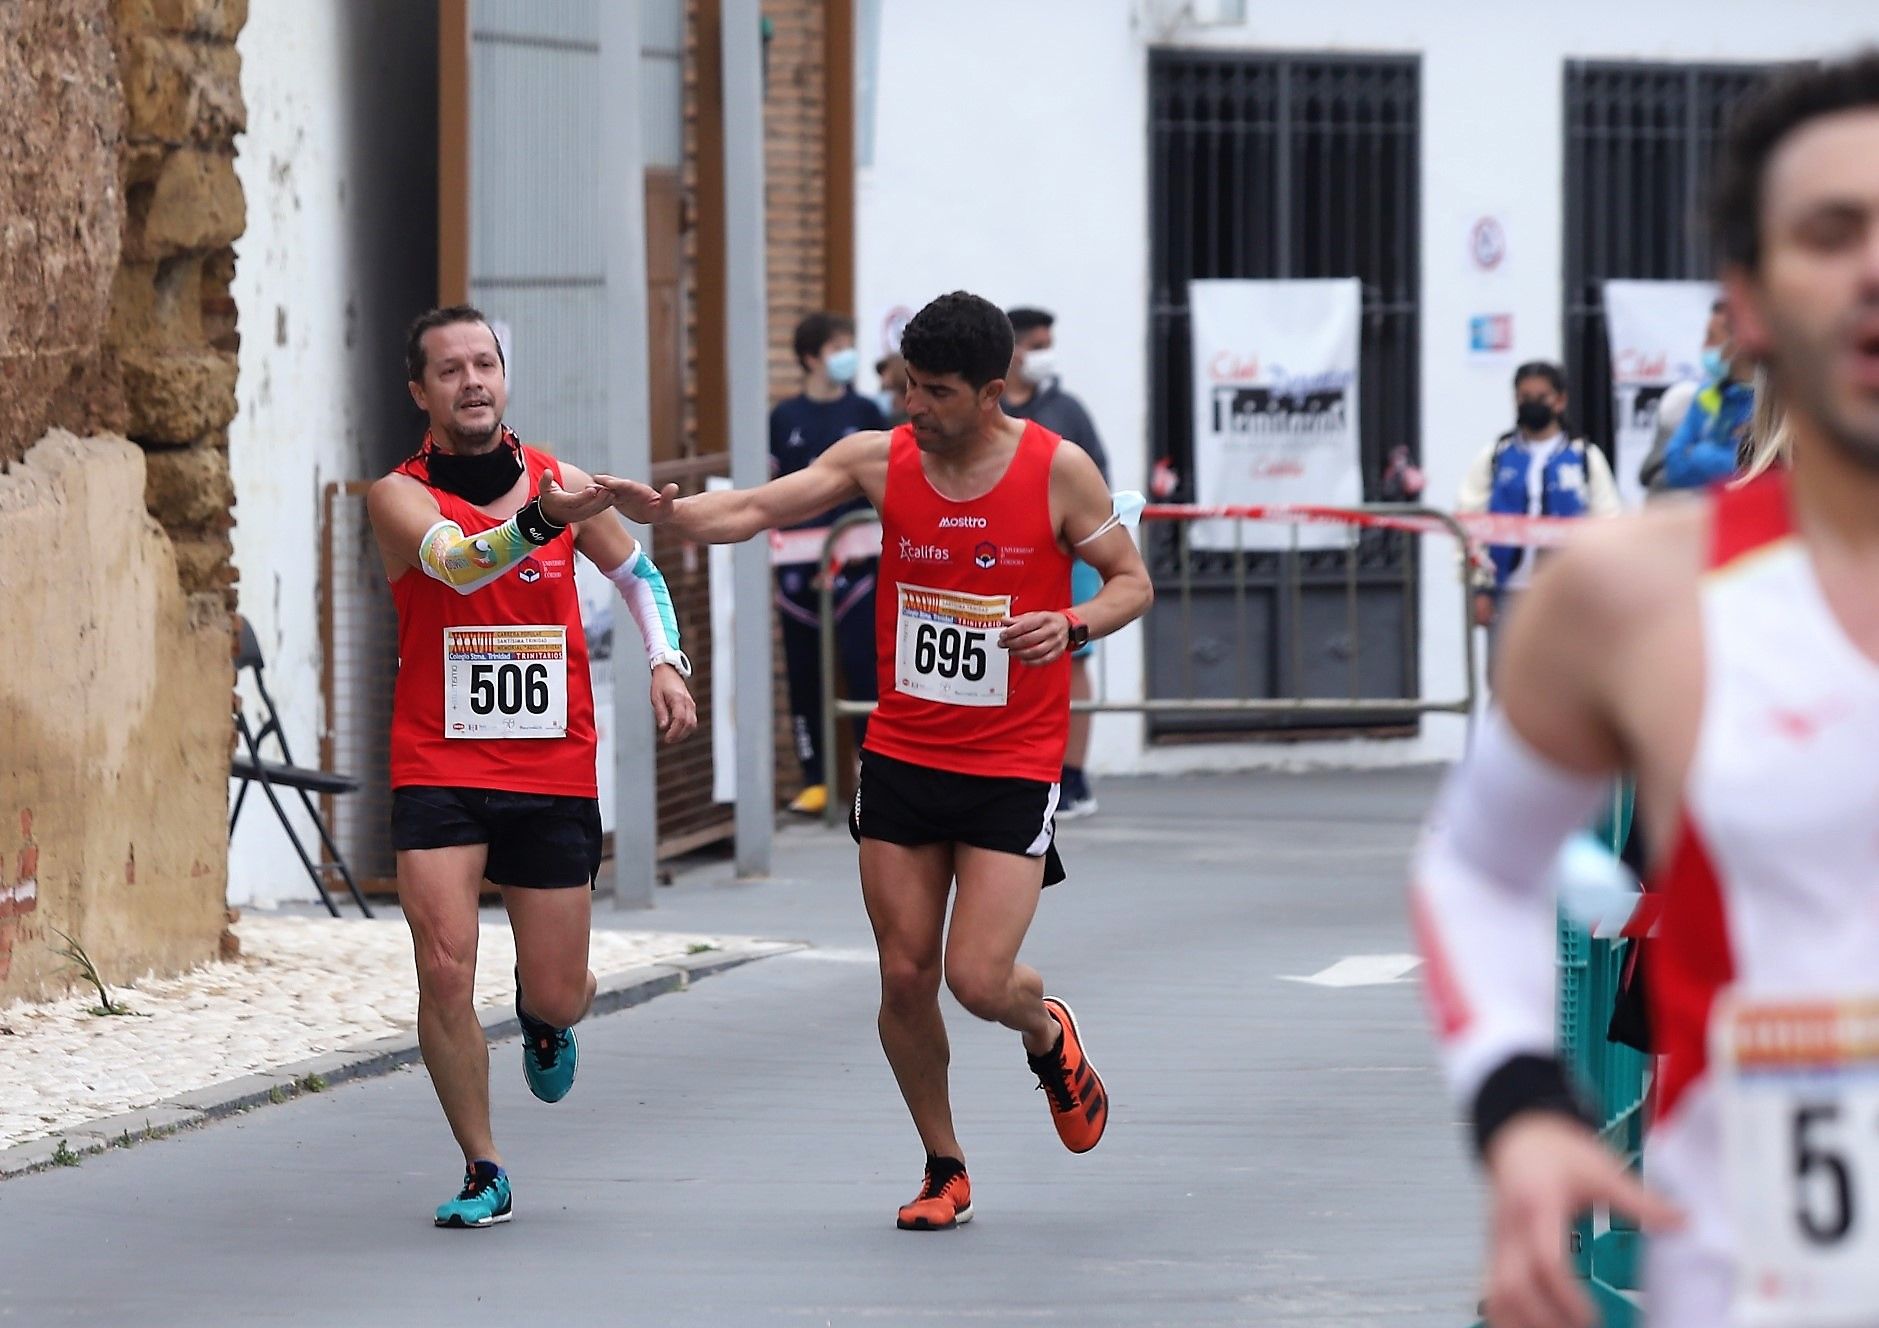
column 643, row 587
column 470, row 562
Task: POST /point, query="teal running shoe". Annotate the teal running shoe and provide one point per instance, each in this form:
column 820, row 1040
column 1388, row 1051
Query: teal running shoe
column 549, row 1054
column 483, row 1201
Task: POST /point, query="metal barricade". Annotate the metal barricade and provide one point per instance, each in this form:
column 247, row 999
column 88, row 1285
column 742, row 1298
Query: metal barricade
column 855, row 536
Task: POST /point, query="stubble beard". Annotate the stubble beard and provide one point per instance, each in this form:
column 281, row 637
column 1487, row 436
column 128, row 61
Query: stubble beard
column 1805, row 369
column 471, row 442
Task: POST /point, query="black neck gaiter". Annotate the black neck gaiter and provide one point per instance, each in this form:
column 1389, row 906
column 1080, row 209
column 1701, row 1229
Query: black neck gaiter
column 480, row 478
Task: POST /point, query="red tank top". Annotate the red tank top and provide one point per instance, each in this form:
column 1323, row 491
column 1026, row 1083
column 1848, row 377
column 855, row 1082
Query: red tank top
column 514, row 675
column 950, row 697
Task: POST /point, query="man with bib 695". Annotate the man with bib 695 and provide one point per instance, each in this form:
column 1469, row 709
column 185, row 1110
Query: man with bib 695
column 492, row 737
column 1727, row 652
column 980, row 515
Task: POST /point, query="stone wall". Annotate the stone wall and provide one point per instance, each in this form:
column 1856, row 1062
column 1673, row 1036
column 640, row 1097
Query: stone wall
column 119, row 207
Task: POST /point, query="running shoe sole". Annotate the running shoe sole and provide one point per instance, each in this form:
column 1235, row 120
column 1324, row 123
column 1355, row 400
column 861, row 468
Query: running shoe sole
column 960, row 1218
column 454, row 1221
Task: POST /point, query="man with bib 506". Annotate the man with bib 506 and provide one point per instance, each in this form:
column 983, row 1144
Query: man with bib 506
column 980, row 515
column 1727, row 652
column 492, row 738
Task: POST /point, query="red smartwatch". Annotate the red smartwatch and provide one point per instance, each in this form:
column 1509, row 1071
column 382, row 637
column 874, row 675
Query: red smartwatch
column 1079, row 630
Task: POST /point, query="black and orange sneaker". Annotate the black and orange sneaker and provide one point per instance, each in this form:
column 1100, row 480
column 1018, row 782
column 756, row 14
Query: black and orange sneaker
column 1079, row 1105
column 945, row 1198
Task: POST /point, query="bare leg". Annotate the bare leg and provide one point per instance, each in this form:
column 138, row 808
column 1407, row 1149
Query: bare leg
column 905, row 890
column 551, row 938
column 437, row 888
column 998, row 895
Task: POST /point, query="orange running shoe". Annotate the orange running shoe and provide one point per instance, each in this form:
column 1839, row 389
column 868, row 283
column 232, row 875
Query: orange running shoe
column 1079, row 1105
column 944, row 1201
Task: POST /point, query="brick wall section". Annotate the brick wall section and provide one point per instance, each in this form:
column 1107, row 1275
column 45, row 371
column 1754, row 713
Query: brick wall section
column 172, row 327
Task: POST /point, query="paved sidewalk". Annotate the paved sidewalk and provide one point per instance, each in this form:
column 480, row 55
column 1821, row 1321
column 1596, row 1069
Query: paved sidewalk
column 303, row 987
column 1281, row 1154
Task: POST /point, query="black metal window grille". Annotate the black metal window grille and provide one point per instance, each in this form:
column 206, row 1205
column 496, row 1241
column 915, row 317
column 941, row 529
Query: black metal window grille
column 1286, row 165
column 1641, row 139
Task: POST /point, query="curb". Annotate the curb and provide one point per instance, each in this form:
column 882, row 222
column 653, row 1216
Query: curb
column 197, row 1107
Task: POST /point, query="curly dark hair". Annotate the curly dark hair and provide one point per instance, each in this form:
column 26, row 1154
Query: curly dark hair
column 455, row 313
column 1760, row 124
column 959, row 333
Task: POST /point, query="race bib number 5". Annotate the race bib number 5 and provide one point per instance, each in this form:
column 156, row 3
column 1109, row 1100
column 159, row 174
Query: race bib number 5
column 505, row 682
column 946, row 647
column 1799, row 1085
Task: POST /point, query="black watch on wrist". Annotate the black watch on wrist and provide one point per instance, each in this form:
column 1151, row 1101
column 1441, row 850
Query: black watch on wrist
column 1079, row 630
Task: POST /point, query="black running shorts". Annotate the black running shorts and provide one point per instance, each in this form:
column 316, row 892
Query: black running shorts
column 536, row 840
column 911, row 804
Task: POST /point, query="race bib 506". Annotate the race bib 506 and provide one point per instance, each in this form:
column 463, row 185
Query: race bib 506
column 505, row 682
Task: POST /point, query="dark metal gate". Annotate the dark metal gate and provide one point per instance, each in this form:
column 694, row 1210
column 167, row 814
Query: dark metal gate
column 1640, row 141
column 1266, row 165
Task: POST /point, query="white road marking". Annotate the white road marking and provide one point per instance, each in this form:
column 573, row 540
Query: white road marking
column 1362, row 971
column 839, row 955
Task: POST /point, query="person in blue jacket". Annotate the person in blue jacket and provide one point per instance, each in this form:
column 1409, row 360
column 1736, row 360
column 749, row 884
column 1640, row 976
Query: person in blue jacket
column 1712, row 443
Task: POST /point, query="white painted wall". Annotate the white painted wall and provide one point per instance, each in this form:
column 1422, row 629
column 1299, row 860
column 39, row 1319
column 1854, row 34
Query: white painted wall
column 338, row 165
column 1011, row 158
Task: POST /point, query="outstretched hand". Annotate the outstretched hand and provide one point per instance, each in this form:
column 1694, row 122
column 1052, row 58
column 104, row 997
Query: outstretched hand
column 640, row 502
column 1545, row 1170
column 564, row 507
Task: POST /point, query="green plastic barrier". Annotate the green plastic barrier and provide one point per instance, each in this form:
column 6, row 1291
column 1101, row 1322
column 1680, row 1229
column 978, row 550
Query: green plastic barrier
column 1608, row 1255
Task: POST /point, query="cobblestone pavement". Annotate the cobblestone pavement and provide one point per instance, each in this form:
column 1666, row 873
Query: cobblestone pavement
column 302, row 986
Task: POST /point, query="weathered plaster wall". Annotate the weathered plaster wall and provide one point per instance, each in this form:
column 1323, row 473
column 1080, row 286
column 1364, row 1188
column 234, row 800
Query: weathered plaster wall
column 114, row 712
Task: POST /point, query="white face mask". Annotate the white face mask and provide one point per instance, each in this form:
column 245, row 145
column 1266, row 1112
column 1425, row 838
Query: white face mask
column 842, row 365
column 885, row 400
column 1040, row 365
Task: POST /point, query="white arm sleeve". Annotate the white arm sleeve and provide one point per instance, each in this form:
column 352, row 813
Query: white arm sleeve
column 1484, row 916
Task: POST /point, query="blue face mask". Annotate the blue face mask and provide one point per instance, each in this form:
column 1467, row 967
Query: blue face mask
column 843, row 365
column 1715, row 363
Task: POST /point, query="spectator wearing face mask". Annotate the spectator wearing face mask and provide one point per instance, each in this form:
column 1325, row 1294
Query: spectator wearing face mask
column 1713, row 441
column 1677, row 398
column 891, row 370
column 802, row 428
column 1534, row 469
column 1034, row 391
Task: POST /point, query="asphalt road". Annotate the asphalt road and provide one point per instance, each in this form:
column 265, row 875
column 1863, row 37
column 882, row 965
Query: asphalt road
column 1279, row 1153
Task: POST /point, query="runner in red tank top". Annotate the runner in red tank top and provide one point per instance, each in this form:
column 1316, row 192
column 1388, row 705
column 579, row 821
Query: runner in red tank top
column 979, row 514
column 492, row 736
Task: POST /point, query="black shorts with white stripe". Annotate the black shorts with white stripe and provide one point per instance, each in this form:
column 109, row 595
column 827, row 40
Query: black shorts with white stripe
column 911, row 804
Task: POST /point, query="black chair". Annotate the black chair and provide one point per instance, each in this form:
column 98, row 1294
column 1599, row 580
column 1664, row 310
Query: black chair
column 250, row 768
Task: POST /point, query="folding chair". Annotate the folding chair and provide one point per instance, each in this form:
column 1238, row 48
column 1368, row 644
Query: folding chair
column 271, row 775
